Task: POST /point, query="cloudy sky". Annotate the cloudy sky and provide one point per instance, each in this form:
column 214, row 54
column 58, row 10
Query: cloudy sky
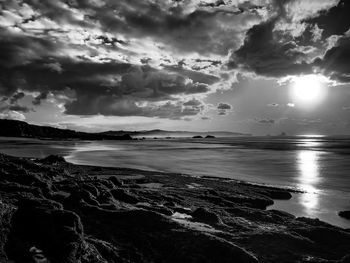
column 260, row 67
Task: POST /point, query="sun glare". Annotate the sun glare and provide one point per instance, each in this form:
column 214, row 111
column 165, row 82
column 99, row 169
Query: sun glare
column 308, row 89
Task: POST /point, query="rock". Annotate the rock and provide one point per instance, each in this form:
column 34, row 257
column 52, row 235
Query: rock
column 91, row 189
column 68, row 213
column 39, row 203
column 197, row 137
column 124, row 196
column 253, row 201
column 276, row 194
column 105, row 197
column 203, row 215
column 77, row 196
column 346, row 259
column 116, row 181
column 17, row 189
column 58, row 233
column 325, row 235
column 107, row 250
column 6, row 213
column 209, row 137
column 53, row 159
column 107, row 183
column 156, row 208
column 206, row 248
column 344, row 214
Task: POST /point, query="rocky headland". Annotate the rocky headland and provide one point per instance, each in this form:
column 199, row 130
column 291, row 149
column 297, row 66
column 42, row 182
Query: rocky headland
column 54, row 211
column 15, row 128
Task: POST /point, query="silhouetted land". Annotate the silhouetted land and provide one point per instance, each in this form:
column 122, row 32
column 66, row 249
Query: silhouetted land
column 54, row 211
column 14, row 128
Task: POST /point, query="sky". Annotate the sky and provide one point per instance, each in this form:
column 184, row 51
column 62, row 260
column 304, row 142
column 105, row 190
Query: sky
column 259, row 67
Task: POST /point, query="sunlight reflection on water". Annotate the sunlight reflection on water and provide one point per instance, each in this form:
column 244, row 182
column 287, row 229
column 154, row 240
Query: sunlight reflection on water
column 309, row 176
column 310, row 143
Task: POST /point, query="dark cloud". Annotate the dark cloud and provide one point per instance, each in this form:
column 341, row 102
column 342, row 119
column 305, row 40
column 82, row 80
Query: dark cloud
column 42, row 96
column 150, row 58
column 59, row 11
column 265, row 55
column 223, row 108
column 52, row 47
column 19, row 108
column 211, row 61
column 16, row 97
column 137, row 86
column 334, row 21
column 336, row 61
column 214, row 3
column 15, row 107
column 19, row 49
column 193, row 102
column 113, row 41
column 109, row 88
column 145, row 60
column 265, row 121
column 196, row 76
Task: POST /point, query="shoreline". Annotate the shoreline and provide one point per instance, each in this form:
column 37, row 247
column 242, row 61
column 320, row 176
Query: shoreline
column 62, row 212
column 281, row 204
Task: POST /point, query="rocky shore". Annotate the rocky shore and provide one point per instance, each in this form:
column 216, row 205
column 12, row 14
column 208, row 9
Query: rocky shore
column 54, row 211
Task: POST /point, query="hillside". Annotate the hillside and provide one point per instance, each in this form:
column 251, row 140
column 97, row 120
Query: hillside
column 14, row 128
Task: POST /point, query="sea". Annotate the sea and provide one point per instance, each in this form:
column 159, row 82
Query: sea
column 319, row 166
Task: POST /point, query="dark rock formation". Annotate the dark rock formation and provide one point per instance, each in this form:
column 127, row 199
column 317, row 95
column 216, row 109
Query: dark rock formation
column 344, row 214
column 53, row 211
column 203, row 215
column 53, row 159
column 209, row 137
column 197, row 137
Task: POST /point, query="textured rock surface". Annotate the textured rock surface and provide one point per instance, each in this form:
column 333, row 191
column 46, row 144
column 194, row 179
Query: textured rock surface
column 53, row 211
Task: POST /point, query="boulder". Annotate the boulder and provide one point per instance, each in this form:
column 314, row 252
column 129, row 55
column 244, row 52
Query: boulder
column 116, row 181
column 53, row 159
column 124, row 196
column 204, row 215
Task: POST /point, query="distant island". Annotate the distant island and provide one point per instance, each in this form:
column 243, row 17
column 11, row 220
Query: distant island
column 201, row 137
column 157, row 133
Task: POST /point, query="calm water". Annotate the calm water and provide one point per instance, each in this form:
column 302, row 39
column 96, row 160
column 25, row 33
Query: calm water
column 320, row 166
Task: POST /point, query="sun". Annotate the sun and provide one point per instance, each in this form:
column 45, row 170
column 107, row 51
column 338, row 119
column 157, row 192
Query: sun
column 308, row 89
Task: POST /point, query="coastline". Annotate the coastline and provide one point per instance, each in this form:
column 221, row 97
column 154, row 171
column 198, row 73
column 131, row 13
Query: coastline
column 62, row 212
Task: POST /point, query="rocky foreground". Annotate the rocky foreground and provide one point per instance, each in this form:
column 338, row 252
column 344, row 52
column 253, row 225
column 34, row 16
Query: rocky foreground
column 53, row 211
